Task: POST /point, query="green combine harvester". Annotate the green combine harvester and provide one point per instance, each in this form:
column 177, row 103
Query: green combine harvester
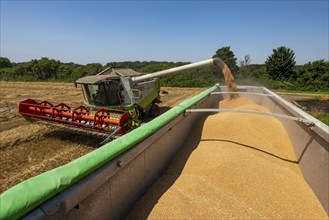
column 116, row 100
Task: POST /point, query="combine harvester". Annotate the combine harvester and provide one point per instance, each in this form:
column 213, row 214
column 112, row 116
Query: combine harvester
column 116, row 101
column 107, row 182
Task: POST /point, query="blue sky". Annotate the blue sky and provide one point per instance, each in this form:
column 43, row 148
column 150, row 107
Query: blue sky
column 104, row 31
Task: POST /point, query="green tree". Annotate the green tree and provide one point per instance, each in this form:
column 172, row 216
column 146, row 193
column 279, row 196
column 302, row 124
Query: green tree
column 43, row 69
column 5, row 62
column 313, row 76
column 154, row 67
column 228, row 57
column 64, row 72
column 252, row 71
column 94, row 68
column 280, row 65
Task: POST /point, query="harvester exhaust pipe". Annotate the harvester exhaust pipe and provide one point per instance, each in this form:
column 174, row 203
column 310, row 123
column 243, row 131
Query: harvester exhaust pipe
column 217, row 62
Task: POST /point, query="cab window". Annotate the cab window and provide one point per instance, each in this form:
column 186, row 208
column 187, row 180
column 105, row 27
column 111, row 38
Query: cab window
column 103, row 94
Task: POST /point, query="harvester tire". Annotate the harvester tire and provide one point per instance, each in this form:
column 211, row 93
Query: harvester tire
column 154, row 110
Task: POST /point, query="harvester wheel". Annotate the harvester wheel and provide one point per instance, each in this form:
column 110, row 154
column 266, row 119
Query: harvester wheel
column 154, row 111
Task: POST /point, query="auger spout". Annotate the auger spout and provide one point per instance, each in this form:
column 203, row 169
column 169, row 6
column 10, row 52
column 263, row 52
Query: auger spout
column 174, row 70
column 216, row 62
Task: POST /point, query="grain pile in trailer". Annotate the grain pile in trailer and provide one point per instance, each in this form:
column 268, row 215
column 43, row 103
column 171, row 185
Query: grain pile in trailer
column 240, row 166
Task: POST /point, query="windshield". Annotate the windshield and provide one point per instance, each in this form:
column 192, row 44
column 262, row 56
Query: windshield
column 103, row 94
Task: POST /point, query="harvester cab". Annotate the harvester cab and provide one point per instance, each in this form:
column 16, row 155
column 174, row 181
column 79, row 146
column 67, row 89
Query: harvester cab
column 116, row 100
column 114, row 88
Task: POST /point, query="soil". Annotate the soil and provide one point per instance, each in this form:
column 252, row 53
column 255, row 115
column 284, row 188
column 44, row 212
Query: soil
column 310, row 103
column 236, row 166
column 28, row 149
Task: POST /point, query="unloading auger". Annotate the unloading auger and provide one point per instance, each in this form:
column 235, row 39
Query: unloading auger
column 116, row 100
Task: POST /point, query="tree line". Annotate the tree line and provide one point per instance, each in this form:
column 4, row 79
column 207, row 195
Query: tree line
column 46, row 69
column 279, row 71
